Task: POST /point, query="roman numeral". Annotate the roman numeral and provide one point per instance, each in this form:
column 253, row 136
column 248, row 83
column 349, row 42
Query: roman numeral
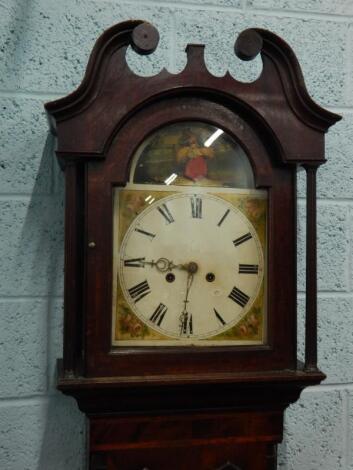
column 239, row 297
column 135, row 262
column 186, row 326
column 248, row 268
column 158, row 314
column 218, row 316
column 242, row 239
column 196, row 207
column 224, row 216
column 190, row 325
column 139, row 291
column 148, row 234
column 166, row 213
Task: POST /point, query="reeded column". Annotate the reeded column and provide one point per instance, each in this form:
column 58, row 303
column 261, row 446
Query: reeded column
column 311, row 270
column 73, row 268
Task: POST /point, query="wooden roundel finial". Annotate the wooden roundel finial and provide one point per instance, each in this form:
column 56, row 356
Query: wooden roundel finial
column 248, row 44
column 145, row 38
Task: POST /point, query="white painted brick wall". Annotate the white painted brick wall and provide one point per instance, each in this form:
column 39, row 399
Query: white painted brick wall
column 44, row 47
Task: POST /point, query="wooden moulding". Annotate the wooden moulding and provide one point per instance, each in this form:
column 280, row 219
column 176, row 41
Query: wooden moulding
column 262, row 390
column 84, row 131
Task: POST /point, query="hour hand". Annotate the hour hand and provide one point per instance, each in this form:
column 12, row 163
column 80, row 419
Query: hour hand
column 164, row 265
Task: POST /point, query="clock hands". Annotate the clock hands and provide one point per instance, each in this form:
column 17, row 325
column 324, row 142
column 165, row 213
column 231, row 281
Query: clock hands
column 185, row 320
column 163, row 265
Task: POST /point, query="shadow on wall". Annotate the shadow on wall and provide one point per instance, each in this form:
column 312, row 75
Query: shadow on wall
column 63, row 440
column 41, row 248
column 40, row 244
column 282, row 451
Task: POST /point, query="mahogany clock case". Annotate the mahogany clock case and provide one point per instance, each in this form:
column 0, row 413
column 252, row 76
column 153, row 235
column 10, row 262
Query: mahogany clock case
column 99, row 127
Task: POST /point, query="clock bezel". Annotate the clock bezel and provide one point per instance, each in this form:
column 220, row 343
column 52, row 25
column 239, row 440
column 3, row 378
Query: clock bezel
column 269, row 173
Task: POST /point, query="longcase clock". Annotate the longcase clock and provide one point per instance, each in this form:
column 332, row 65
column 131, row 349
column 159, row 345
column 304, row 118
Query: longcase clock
column 180, row 255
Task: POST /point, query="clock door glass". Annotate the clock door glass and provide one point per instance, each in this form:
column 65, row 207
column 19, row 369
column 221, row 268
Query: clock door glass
column 189, row 244
column 192, row 153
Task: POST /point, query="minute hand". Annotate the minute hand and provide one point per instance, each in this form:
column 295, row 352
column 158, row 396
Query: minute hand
column 185, row 319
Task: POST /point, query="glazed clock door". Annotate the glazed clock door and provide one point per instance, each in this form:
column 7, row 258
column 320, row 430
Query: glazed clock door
column 183, row 230
column 189, row 244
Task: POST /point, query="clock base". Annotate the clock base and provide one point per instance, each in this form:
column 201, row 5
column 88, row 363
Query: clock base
column 242, row 440
column 208, row 422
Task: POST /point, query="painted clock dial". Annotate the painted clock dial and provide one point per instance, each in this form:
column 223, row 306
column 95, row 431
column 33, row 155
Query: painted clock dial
column 190, row 266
